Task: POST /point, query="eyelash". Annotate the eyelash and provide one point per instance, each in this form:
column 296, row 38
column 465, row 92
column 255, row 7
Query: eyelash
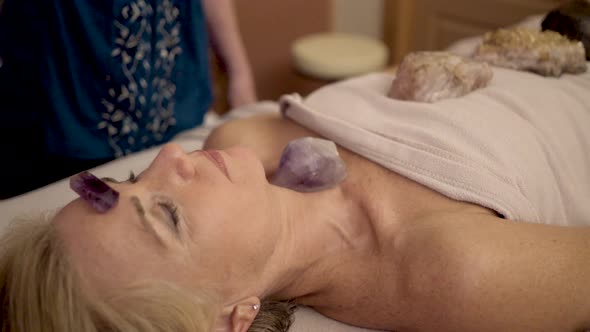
column 172, row 209
column 132, row 177
column 169, row 206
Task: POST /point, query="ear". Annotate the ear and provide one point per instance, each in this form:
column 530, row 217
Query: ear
column 238, row 317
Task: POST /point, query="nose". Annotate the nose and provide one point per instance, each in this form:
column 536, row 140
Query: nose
column 173, row 159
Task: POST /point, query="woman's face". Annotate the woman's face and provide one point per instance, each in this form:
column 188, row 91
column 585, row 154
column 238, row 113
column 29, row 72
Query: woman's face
column 198, row 219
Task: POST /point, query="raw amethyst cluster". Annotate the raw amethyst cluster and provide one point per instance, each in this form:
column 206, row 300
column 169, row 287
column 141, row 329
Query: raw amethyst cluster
column 309, row 165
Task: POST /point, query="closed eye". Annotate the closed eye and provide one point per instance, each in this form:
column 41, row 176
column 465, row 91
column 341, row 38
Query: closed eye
column 171, row 210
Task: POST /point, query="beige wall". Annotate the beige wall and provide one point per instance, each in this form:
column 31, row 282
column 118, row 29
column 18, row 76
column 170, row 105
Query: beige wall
column 358, row 16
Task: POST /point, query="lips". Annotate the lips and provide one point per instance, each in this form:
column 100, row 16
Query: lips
column 217, row 159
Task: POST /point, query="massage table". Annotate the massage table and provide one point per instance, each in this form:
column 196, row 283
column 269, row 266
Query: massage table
column 58, row 194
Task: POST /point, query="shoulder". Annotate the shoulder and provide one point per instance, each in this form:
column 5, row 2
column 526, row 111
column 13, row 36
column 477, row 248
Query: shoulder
column 270, row 123
column 261, row 131
column 469, row 265
column 267, row 135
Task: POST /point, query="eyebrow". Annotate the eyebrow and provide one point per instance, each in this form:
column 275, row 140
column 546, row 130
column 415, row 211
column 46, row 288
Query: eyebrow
column 132, row 178
column 109, row 179
column 147, row 225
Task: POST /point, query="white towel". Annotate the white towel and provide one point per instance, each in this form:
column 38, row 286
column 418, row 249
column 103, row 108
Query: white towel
column 520, row 146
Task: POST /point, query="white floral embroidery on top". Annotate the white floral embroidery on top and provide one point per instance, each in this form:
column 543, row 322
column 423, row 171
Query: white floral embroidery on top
column 140, row 110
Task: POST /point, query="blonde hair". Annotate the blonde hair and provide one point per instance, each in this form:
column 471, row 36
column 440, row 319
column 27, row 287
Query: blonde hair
column 40, row 291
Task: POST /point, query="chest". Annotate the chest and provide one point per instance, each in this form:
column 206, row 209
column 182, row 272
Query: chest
column 366, row 288
column 390, row 200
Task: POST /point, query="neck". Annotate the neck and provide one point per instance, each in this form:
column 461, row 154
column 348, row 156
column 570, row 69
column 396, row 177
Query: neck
column 318, row 231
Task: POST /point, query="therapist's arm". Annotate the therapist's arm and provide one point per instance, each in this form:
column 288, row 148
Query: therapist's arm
column 481, row 273
column 227, row 43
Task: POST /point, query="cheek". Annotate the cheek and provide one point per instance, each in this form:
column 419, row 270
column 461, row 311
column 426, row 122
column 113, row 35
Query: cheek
column 122, row 261
column 147, row 267
column 227, row 221
column 115, row 259
column 247, row 167
column 226, row 257
column 223, row 232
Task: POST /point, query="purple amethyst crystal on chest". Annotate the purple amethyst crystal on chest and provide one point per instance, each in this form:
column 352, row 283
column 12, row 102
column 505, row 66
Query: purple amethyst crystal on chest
column 310, row 164
column 94, row 191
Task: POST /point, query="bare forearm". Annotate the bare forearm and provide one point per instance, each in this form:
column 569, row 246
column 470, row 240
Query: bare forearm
column 494, row 275
column 225, row 35
column 227, row 44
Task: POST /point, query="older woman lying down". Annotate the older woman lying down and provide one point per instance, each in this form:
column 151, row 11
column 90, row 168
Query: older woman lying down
column 468, row 214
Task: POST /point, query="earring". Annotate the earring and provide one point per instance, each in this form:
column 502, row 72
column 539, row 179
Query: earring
column 256, row 307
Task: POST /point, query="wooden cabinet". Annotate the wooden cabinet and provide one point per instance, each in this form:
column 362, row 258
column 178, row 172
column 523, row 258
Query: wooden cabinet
column 434, row 24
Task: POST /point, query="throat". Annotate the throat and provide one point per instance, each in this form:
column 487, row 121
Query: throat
column 325, row 231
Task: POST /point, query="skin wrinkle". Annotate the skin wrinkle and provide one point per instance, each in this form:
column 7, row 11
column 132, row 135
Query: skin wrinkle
column 292, row 286
column 274, row 254
column 291, row 245
column 144, row 221
column 348, row 235
column 349, row 242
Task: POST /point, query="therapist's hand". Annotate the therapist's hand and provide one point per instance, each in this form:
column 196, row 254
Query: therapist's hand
column 241, row 90
column 229, row 48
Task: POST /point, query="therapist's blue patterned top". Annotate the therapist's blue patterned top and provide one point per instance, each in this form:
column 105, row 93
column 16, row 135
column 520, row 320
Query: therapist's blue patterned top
column 123, row 75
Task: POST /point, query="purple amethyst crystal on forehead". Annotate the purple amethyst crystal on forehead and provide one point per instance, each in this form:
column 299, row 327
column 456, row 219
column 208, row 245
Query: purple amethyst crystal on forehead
column 94, row 191
column 309, row 165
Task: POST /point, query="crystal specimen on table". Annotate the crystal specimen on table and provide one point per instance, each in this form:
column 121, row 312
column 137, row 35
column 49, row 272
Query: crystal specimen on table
column 310, row 164
column 546, row 53
column 433, row 76
column 572, row 20
column 94, row 191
